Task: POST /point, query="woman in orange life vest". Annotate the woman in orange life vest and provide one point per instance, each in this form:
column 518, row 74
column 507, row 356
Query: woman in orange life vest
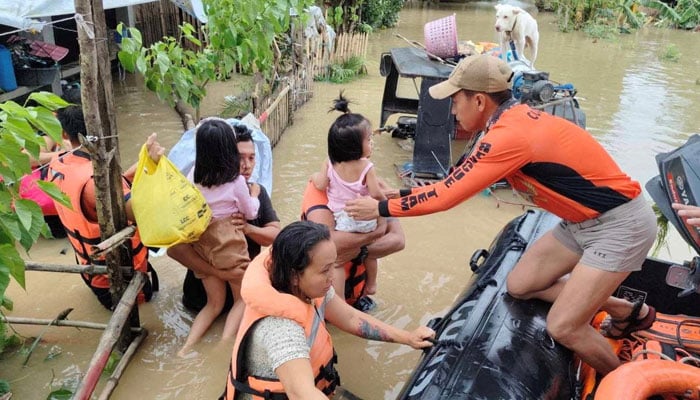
column 282, row 345
column 607, row 227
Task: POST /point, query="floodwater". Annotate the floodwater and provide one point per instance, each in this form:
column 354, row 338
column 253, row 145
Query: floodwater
column 636, row 105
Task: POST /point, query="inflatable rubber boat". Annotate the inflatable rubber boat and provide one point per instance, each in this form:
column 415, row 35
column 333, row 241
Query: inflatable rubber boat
column 492, row 346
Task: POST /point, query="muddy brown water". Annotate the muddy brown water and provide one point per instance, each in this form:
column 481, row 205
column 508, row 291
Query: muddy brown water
column 636, row 104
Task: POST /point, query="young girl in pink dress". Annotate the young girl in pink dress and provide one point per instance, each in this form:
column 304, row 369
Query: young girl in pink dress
column 216, row 175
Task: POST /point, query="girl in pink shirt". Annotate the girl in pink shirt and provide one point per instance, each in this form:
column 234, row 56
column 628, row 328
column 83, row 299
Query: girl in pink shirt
column 223, row 245
column 348, row 174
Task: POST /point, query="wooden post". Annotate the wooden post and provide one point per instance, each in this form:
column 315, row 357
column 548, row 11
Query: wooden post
column 117, row 324
column 62, row 322
column 121, row 366
column 100, row 121
column 163, row 26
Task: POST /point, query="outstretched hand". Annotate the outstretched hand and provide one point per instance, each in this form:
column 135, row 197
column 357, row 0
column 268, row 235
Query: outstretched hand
column 688, row 212
column 155, row 150
column 363, row 208
column 418, row 338
column 388, row 191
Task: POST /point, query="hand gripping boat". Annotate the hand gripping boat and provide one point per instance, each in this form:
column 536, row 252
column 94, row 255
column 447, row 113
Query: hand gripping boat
column 492, row 346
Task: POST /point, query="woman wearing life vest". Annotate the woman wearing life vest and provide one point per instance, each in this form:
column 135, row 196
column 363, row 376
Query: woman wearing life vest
column 282, row 348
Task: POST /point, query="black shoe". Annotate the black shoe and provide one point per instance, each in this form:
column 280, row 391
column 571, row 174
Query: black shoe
column 365, row 304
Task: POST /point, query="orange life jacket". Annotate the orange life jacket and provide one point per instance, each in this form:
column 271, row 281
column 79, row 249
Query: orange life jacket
column 355, row 274
column 355, row 279
column 640, row 380
column 71, row 173
column 263, row 300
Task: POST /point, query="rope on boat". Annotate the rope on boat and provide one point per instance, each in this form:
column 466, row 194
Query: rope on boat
column 444, row 342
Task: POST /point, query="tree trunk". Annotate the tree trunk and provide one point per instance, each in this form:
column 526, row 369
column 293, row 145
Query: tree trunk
column 100, row 122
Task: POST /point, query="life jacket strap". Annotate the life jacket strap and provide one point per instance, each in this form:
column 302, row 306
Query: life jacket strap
column 268, row 395
column 353, row 279
column 329, row 374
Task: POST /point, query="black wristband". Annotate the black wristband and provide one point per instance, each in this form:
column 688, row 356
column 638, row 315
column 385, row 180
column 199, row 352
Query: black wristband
column 383, row 208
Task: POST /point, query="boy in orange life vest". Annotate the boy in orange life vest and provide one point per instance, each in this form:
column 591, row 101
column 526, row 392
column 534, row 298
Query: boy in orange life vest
column 607, row 226
column 72, row 172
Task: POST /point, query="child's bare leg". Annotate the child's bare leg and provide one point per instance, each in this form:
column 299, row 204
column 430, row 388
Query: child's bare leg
column 216, row 296
column 371, row 268
column 233, row 320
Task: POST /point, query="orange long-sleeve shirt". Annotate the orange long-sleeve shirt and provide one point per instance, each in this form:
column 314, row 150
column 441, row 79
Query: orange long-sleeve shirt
column 550, row 161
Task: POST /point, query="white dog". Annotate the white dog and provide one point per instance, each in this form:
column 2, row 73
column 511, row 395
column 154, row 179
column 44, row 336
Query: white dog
column 514, row 23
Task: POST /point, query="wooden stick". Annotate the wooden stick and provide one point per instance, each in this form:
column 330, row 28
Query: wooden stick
column 421, row 47
column 273, row 106
column 115, row 240
column 61, row 316
column 74, row 324
column 119, row 369
column 163, row 27
column 80, row 269
column 109, row 338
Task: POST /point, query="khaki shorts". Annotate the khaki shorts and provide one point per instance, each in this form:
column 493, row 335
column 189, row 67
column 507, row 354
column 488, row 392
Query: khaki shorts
column 223, row 245
column 617, row 240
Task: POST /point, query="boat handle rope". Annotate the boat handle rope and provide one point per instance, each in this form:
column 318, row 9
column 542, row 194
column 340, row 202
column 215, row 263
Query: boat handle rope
column 444, row 342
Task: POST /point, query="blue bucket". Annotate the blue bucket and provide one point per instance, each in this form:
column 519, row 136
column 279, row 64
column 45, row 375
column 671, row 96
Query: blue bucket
column 7, row 73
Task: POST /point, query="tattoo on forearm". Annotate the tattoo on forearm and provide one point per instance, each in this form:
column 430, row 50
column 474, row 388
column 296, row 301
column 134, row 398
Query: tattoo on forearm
column 371, row 332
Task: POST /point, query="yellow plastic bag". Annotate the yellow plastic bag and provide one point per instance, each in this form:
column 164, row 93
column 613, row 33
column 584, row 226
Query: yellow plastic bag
column 168, row 208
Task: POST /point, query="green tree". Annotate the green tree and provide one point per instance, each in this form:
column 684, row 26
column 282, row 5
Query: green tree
column 170, row 70
column 243, row 32
column 347, row 16
column 381, row 13
column 238, row 34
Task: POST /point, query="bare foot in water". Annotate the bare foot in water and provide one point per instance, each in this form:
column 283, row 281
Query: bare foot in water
column 187, row 353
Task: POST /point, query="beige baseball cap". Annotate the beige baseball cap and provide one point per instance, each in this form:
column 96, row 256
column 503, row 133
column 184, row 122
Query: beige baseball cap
column 479, row 73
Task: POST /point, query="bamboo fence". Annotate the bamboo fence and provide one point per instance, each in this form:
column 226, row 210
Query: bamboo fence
column 346, row 46
column 276, row 118
column 299, row 89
